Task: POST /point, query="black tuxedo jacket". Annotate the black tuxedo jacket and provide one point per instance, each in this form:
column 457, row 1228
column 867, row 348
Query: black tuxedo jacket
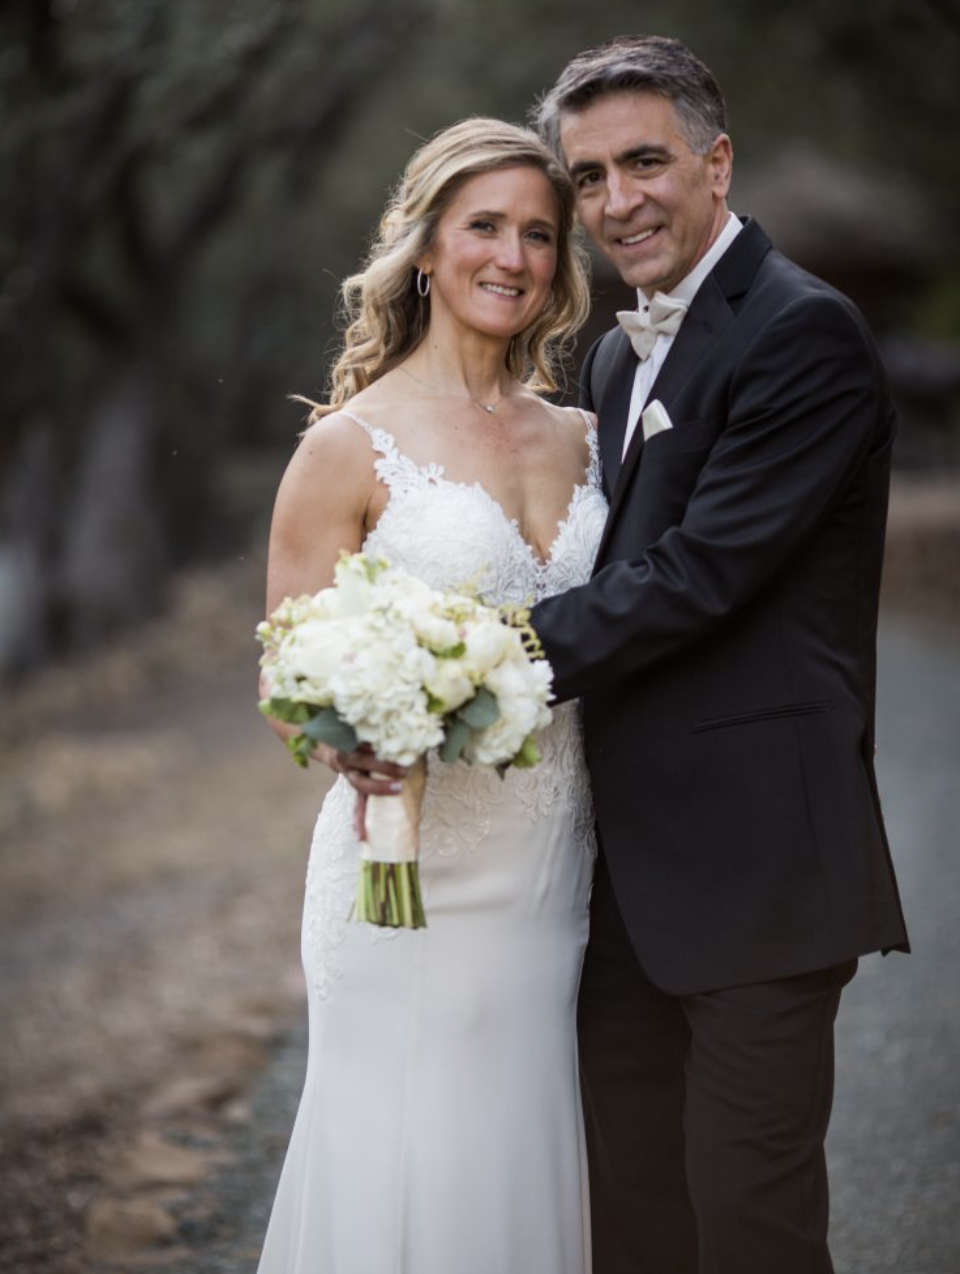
column 724, row 650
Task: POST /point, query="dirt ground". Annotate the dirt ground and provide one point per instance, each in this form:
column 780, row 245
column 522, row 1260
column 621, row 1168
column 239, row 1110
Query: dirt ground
column 153, row 840
column 152, row 847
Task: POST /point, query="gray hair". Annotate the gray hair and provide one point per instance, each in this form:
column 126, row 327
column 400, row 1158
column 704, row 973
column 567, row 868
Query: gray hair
column 644, row 64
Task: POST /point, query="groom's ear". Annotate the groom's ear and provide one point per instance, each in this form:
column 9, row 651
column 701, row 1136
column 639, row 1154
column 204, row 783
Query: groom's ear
column 720, row 164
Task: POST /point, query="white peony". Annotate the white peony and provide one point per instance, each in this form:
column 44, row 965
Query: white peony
column 315, row 650
column 436, row 631
column 327, row 604
column 450, row 684
column 488, row 643
column 521, row 690
column 354, row 584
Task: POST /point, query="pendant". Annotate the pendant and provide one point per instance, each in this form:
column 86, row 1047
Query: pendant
column 488, row 408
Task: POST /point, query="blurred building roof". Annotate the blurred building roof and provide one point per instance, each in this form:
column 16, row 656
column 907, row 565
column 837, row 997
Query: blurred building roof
column 833, row 215
column 871, row 233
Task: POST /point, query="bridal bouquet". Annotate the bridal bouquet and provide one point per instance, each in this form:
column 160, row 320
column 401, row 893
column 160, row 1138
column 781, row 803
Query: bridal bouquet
column 381, row 658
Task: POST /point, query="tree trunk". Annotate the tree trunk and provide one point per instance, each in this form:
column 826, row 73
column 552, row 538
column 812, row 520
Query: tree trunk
column 114, row 561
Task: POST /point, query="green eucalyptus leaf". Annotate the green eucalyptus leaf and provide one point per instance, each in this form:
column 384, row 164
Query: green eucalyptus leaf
column 451, row 749
column 327, row 727
column 481, row 711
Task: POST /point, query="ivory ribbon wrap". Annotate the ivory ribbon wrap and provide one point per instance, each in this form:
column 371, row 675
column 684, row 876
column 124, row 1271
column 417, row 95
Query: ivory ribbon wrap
column 393, row 822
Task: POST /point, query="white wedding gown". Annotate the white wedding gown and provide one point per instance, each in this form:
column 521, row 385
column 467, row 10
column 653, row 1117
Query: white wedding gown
column 440, row 1126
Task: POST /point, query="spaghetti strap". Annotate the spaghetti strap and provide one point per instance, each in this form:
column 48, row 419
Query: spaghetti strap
column 380, row 439
column 593, row 443
column 392, row 467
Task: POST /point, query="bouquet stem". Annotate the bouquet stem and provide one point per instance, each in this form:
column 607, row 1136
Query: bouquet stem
column 388, row 884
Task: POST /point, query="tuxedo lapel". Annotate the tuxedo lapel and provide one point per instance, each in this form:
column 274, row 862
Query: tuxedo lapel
column 612, row 408
column 711, row 310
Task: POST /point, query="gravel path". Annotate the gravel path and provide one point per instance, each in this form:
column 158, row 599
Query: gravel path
column 152, row 848
column 895, row 1140
column 222, row 1223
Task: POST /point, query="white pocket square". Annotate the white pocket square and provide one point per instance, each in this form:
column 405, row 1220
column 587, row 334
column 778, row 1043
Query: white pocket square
column 654, row 419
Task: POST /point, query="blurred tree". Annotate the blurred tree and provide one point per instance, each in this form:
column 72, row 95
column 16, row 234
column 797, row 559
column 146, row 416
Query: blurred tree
column 185, row 184
column 137, row 132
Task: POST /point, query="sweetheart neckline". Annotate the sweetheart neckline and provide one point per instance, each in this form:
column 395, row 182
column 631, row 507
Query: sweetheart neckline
column 434, row 472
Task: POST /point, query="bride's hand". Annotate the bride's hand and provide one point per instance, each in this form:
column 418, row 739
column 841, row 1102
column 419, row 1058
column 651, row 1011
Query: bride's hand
column 366, row 774
column 363, row 770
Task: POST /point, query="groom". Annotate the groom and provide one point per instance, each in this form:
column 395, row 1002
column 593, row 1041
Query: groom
column 725, row 655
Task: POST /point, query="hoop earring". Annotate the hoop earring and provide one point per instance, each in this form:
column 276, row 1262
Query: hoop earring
column 423, row 283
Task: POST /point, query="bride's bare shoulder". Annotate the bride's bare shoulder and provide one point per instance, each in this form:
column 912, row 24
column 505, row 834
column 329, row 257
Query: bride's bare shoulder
column 572, row 425
column 578, row 420
column 333, row 454
column 570, row 419
column 350, row 425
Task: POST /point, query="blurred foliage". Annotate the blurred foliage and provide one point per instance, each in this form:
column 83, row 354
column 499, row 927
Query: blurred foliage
column 186, row 183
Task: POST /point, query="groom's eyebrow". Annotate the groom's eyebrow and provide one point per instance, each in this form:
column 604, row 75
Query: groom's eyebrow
column 584, row 166
column 645, row 150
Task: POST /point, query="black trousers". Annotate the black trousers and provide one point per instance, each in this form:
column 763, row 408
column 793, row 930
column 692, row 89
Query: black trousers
column 706, row 1115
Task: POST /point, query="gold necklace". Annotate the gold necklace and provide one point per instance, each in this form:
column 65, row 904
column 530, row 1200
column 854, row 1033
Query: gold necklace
column 489, row 408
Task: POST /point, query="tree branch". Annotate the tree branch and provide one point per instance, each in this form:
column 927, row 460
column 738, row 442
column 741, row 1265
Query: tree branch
column 99, row 315
column 366, row 42
column 373, row 37
column 948, row 11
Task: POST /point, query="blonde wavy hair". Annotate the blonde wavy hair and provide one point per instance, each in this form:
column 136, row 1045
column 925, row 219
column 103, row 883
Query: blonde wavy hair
column 387, row 318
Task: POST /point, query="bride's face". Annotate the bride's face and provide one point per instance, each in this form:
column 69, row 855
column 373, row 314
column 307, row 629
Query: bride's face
column 495, row 254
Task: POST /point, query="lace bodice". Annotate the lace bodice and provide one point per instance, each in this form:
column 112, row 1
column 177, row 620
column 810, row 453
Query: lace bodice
column 451, row 533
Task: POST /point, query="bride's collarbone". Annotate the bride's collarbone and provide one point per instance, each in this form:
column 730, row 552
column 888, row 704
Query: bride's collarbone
column 519, row 464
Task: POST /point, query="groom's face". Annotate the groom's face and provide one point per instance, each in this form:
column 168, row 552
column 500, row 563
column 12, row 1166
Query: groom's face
column 649, row 202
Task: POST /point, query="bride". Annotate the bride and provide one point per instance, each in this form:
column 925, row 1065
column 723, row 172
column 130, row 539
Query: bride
column 440, row 1130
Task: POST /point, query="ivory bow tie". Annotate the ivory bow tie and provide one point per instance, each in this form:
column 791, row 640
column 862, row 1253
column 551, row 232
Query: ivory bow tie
column 663, row 315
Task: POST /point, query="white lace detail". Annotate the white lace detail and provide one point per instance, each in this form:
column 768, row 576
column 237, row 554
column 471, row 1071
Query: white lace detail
column 448, row 534
column 561, row 778
column 331, row 880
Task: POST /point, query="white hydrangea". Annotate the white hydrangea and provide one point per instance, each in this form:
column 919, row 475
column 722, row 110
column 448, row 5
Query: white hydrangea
column 488, row 643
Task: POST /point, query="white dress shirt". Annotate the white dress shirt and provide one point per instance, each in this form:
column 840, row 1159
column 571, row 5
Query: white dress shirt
column 685, row 290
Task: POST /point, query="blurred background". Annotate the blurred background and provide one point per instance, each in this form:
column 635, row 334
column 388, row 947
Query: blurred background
column 184, row 184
